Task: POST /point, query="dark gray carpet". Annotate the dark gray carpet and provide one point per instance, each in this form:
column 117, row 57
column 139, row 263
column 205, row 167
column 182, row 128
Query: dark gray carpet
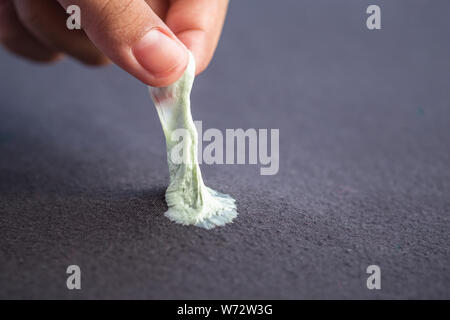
column 364, row 119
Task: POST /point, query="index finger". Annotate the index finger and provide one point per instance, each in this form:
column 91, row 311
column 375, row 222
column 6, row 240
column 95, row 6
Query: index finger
column 198, row 24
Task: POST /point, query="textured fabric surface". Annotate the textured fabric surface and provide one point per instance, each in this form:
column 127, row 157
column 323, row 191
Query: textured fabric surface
column 364, row 164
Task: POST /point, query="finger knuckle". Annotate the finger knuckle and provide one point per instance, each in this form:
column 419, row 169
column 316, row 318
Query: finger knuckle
column 112, row 9
column 120, row 18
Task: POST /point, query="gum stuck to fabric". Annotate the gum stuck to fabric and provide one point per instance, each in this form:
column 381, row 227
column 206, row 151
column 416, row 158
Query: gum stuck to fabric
column 189, row 201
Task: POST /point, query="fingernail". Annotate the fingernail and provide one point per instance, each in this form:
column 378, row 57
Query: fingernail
column 158, row 53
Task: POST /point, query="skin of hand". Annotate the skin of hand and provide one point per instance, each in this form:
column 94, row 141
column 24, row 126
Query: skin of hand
column 147, row 38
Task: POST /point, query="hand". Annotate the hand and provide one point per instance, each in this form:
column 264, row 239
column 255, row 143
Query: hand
column 147, row 38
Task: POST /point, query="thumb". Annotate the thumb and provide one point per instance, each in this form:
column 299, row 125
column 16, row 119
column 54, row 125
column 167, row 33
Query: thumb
column 135, row 38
